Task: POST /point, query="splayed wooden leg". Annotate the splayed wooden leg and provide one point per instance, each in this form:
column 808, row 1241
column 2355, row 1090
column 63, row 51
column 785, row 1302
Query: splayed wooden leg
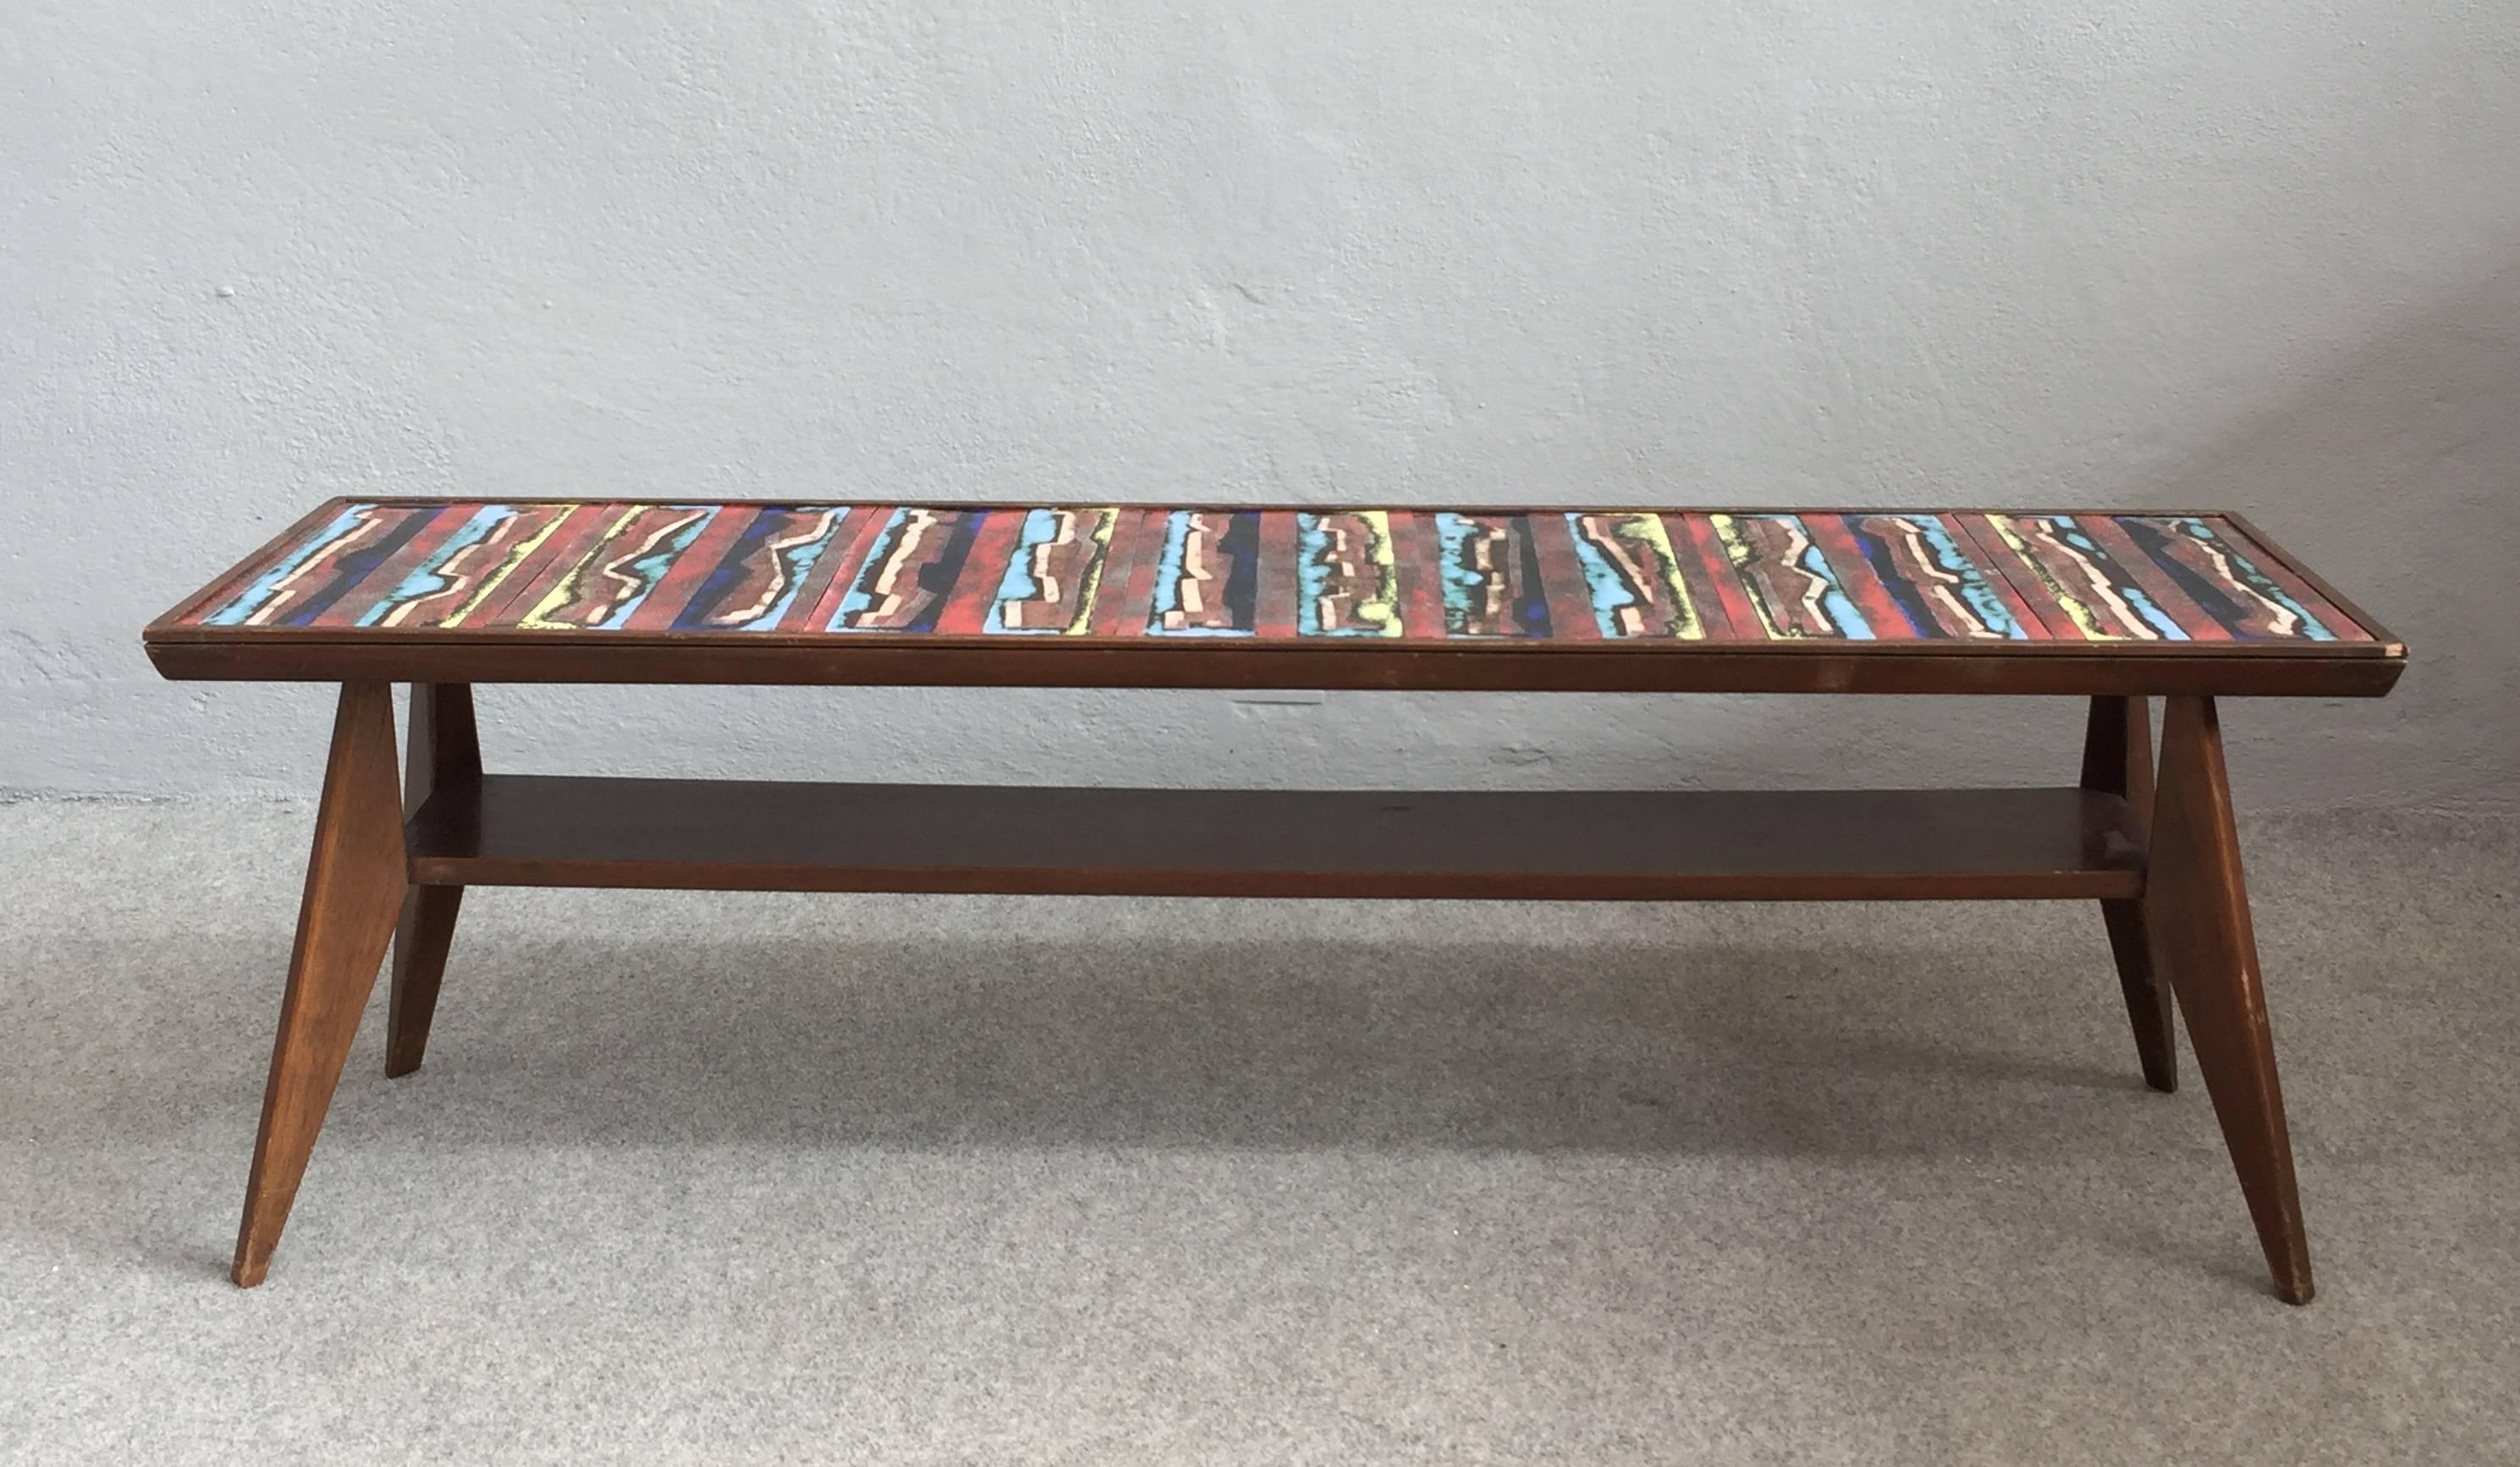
column 355, row 881
column 2117, row 758
column 445, row 751
column 2197, row 906
column 420, row 947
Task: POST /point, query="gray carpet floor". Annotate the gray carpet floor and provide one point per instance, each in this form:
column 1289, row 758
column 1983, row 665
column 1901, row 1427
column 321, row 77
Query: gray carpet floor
column 894, row 1179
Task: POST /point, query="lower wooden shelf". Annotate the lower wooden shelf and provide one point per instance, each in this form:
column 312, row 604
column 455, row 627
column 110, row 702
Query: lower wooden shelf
column 746, row 835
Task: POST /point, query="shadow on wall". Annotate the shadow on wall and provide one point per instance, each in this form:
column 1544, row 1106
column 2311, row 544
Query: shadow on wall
column 2428, row 415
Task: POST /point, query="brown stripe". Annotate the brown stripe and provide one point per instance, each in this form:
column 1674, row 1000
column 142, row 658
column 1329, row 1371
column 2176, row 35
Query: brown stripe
column 682, row 578
column 1135, row 536
column 843, row 563
column 357, row 601
column 581, row 537
column 1418, row 571
column 1988, row 571
column 1562, row 577
column 1138, row 594
column 497, row 590
column 1863, row 584
column 2272, row 566
column 1273, row 605
column 2199, row 624
column 2023, row 579
column 983, row 570
column 1706, row 566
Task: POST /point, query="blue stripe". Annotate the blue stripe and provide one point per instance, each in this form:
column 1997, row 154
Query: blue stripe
column 2311, row 627
column 253, row 598
column 425, row 581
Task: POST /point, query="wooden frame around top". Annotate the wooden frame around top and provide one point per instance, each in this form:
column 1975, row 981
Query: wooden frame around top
column 467, row 655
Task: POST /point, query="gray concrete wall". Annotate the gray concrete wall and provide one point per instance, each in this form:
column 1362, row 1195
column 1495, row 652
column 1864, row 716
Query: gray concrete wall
column 2259, row 255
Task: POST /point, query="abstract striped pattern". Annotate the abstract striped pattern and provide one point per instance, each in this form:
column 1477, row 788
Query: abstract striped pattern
column 1129, row 571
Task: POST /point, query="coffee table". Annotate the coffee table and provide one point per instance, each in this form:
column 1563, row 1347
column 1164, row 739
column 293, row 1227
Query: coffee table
column 2119, row 607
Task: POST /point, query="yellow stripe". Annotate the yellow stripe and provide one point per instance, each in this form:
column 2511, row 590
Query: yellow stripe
column 1384, row 609
column 567, row 591
column 2077, row 610
column 499, row 578
column 1692, row 627
column 1083, row 622
column 1741, row 552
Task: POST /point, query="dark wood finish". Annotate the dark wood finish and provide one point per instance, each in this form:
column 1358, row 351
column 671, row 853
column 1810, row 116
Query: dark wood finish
column 2117, row 759
column 445, row 754
column 355, row 883
column 421, row 940
column 2197, row 906
column 2098, row 670
column 2164, row 863
column 528, row 831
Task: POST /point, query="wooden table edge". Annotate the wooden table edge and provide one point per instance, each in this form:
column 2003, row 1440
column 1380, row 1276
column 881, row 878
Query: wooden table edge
column 170, row 627
column 853, row 662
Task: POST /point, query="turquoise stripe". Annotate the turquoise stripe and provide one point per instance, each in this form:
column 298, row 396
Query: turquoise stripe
column 2071, row 531
column 1040, row 527
column 1840, row 608
column 1168, row 581
column 860, row 598
column 650, row 567
column 254, row 596
column 805, row 558
column 2312, row 628
column 427, row 579
column 1607, row 588
column 1983, row 599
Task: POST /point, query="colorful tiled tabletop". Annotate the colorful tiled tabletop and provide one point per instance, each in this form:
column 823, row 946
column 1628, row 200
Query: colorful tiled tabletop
column 1126, row 572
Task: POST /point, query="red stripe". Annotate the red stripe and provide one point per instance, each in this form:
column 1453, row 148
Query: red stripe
column 215, row 598
column 579, row 541
column 1138, row 598
column 838, row 572
column 1418, row 570
column 1861, row 583
column 2331, row 615
column 459, row 574
column 2157, row 583
column 2047, row 535
column 361, row 599
column 321, row 570
column 983, row 571
column 1706, row 566
column 682, row 579
column 2033, row 591
column 848, row 523
column 1561, row 576
column 579, row 522
column 1990, row 572
column 1273, row 612
column 218, row 598
column 1137, row 535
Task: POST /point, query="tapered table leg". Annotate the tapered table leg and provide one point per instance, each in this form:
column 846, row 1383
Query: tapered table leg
column 420, row 947
column 2197, row 906
column 445, row 750
column 2117, row 758
column 355, row 881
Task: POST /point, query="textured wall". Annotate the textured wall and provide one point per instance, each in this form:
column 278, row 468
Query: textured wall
column 2263, row 256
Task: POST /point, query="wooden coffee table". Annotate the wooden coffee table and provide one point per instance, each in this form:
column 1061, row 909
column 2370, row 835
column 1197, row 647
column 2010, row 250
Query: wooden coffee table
column 2119, row 607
